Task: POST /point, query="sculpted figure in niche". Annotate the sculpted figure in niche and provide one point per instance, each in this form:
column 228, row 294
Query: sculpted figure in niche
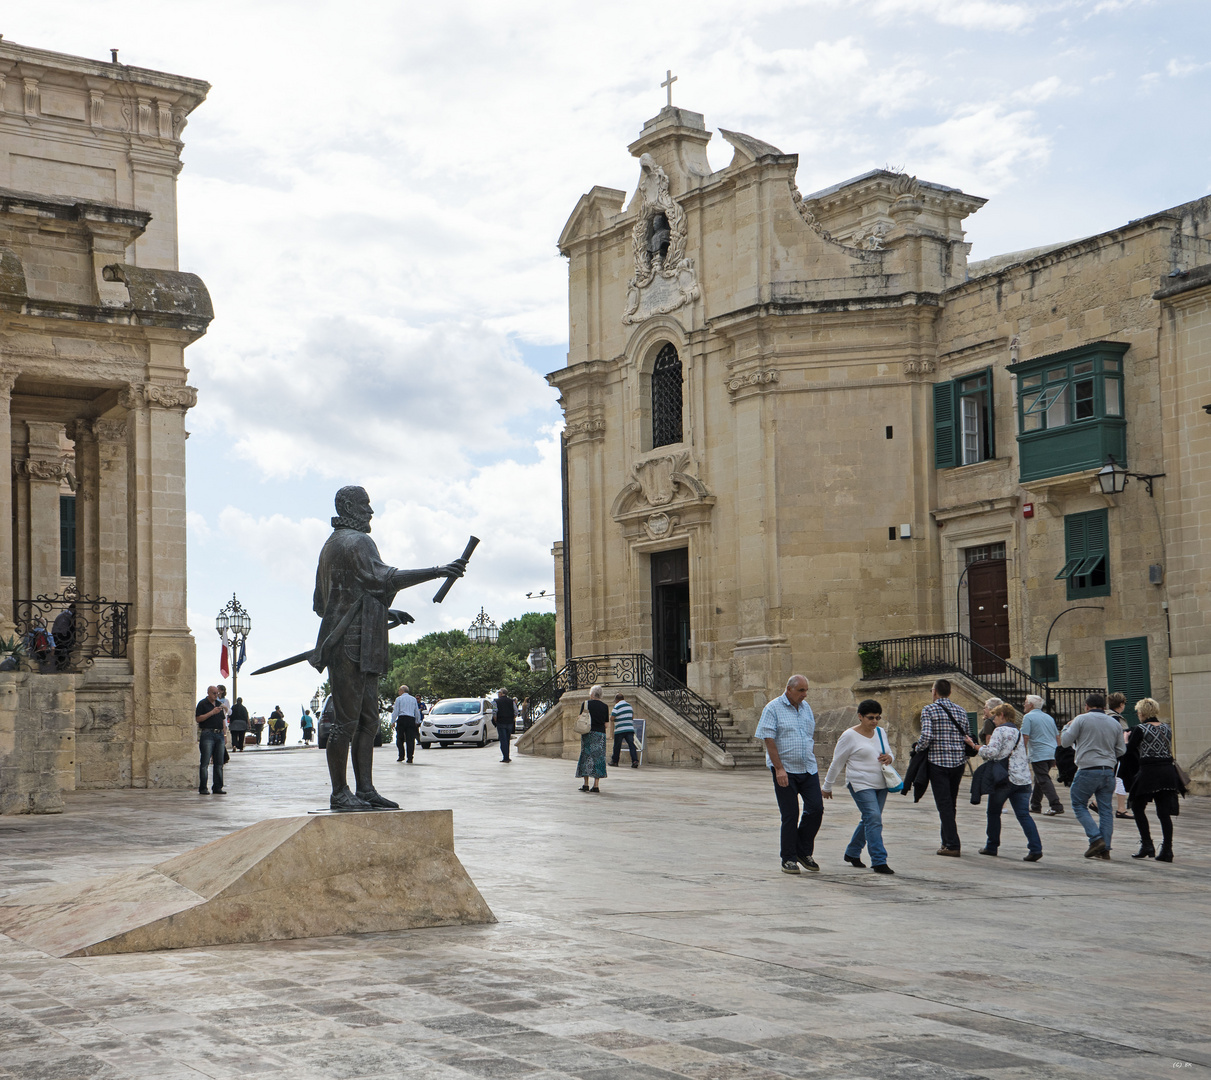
column 658, row 241
column 354, row 590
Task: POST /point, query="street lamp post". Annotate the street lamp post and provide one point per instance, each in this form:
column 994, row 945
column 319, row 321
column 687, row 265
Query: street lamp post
column 234, row 620
column 483, row 631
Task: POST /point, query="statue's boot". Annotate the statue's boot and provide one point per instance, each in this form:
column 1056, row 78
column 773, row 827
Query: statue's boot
column 346, row 800
column 373, row 798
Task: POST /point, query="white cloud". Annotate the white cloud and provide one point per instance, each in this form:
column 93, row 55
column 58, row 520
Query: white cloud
column 1179, row 69
column 967, row 14
column 981, row 148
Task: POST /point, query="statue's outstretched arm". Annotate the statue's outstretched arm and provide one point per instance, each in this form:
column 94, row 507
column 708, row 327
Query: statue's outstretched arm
column 403, row 579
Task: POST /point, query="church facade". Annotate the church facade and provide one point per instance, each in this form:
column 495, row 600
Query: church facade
column 805, row 434
column 94, row 321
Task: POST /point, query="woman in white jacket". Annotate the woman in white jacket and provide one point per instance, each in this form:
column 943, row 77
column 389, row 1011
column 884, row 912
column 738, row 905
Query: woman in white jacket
column 862, row 751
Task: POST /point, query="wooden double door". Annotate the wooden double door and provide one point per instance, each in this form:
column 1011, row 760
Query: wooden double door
column 671, row 611
column 988, row 614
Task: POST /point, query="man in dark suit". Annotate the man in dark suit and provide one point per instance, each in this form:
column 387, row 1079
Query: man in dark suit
column 506, row 713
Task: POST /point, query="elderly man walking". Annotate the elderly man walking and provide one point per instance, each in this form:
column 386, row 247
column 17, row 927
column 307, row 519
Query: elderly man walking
column 1098, row 741
column 1041, row 737
column 405, row 714
column 788, row 729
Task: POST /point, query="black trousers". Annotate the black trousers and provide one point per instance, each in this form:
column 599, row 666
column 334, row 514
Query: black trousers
column 503, row 733
column 237, row 740
column 1139, row 812
column 405, row 739
column 944, row 780
column 798, row 837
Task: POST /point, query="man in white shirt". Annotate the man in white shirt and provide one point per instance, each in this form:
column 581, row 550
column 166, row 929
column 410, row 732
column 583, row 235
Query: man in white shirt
column 1041, row 737
column 405, row 715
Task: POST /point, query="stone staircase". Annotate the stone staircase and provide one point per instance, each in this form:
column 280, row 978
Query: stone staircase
column 746, row 751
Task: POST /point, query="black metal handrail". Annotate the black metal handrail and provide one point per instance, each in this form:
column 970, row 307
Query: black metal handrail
column 627, row 669
column 937, row 654
column 98, row 628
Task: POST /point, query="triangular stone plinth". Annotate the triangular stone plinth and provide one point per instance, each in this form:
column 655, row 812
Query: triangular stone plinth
column 295, row 877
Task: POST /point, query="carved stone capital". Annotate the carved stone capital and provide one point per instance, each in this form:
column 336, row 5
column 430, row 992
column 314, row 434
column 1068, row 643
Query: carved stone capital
column 751, row 378
column 143, row 395
column 46, row 471
column 8, row 379
column 110, row 430
column 590, row 426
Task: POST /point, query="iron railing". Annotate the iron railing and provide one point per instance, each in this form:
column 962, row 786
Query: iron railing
column 938, row 654
column 627, row 669
column 98, row 628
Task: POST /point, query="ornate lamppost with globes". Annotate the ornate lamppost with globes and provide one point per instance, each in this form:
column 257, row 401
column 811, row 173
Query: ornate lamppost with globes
column 483, row 631
column 238, row 623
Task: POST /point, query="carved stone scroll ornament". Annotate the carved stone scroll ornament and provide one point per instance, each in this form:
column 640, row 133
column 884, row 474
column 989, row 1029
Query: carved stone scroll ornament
column 110, row 430
column 49, row 471
column 664, row 278
column 751, row 378
column 141, row 395
column 919, row 367
column 592, row 428
column 659, row 478
column 8, row 380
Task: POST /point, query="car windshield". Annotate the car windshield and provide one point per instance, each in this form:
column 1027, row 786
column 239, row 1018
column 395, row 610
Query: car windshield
column 459, row 708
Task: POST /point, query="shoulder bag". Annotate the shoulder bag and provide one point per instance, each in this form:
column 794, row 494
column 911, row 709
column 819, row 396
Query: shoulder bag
column 583, row 723
column 999, row 767
column 964, row 734
column 890, row 777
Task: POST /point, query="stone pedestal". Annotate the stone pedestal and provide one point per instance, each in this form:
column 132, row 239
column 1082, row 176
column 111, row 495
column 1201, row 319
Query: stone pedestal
column 297, row 877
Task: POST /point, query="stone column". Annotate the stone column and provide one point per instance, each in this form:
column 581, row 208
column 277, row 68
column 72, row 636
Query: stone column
column 161, row 647
column 8, row 564
column 112, row 575
column 87, row 484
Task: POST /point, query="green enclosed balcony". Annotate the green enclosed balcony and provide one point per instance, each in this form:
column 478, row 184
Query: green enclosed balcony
column 1070, row 410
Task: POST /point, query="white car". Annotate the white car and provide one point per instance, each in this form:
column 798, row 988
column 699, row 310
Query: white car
column 459, row 720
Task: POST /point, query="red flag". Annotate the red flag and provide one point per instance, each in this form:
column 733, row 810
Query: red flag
column 224, row 666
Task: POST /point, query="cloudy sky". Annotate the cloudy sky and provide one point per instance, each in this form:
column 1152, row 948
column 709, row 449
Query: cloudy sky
column 373, row 192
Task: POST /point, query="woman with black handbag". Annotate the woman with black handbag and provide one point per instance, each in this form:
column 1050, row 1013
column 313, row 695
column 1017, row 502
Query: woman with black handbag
column 1006, row 753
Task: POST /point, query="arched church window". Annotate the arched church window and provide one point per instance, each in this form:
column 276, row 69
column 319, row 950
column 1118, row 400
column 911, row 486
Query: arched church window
column 666, row 397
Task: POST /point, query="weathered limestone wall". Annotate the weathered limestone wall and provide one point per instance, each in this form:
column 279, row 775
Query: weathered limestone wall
column 94, row 321
column 37, row 741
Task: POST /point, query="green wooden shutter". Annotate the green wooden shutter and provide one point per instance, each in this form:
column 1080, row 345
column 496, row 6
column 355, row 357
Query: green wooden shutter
column 1128, row 672
column 992, row 419
column 67, row 535
column 945, row 429
column 1075, row 546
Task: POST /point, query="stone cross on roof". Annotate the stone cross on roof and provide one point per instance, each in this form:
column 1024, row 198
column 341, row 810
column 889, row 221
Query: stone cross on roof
column 669, row 79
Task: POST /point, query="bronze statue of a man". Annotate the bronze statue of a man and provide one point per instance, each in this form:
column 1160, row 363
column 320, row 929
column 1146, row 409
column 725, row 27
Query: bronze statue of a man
column 354, row 590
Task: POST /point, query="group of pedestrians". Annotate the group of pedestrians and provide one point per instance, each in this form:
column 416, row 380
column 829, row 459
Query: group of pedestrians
column 1017, row 763
column 591, row 765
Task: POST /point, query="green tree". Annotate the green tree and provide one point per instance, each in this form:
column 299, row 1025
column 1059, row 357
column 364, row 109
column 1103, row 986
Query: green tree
column 469, row 671
column 535, row 629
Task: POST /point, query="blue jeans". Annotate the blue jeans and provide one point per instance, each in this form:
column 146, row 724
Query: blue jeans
column 869, row 833
column 210, row 746
column 1087, row 784
column 1019, row 798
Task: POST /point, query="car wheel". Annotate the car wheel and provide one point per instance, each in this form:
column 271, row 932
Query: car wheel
column 425, row 745
column 483, row 737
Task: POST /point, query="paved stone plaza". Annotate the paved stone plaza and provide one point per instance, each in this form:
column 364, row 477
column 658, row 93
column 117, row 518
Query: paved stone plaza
column 646, row 932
